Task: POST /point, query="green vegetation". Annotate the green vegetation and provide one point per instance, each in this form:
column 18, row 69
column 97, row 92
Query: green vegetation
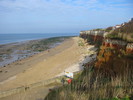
column 108, row 29
column 125, row 32
column 132, row 36
column 80, row 43
column 113, row 36
column 98, row 29
column 45, row 44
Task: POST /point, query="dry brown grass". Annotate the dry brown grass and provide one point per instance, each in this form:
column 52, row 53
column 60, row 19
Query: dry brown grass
column 91, row 86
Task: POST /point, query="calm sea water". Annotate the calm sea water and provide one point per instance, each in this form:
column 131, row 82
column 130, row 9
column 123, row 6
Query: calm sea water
column 11, row 38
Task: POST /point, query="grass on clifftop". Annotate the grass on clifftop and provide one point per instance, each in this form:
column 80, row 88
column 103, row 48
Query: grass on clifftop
column 125, row 32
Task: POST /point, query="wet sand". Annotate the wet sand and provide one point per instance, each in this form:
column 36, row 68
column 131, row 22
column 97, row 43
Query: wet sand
column 13, row 52
column 42, row 66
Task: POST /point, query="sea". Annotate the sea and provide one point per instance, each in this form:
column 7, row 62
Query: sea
column 11, row 38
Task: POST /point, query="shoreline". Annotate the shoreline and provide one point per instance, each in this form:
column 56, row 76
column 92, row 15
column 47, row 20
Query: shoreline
column 12, row 52
column 22, row 37
column 28, row 40
column 24, row 65
column 15, row 67
column 45, row 65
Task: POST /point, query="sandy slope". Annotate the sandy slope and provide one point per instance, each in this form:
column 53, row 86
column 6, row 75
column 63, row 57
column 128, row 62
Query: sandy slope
column 43, row 66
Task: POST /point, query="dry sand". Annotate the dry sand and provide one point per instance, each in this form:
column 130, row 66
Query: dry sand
column 89, row 55
column 42, row 66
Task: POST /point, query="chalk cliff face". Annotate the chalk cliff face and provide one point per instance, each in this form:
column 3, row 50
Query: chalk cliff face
column 93, row 37
column 93, row 32
column 118, row 44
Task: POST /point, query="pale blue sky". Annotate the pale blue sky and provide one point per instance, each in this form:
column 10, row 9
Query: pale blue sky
column 62, row 16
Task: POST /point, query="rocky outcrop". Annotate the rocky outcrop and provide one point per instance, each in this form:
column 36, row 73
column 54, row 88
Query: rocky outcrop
column 129, row 48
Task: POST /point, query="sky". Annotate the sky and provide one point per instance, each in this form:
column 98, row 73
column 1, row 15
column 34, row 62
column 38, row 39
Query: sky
column 62, row 16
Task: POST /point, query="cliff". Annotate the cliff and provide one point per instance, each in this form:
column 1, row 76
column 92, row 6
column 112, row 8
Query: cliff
column 114, row 53
column 114, row 61
column 109, row 77
column 93, row 37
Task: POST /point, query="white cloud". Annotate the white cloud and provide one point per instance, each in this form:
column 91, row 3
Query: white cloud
column 70, row 13
column 43, row 4
column 13, row 5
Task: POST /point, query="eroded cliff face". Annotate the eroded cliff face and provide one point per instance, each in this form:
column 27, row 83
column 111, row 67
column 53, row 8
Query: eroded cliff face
column 93, row 39
column 118, row 44
column 114, row 56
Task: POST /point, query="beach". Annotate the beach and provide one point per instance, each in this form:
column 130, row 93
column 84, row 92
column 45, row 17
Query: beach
column 13, row 52
column 69, row 56
column 42, row 66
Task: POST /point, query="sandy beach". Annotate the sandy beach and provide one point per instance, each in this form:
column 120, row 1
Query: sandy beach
column 43, row 66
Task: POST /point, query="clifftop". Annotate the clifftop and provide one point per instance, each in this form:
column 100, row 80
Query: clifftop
column 115, row 49
column 124, row 32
